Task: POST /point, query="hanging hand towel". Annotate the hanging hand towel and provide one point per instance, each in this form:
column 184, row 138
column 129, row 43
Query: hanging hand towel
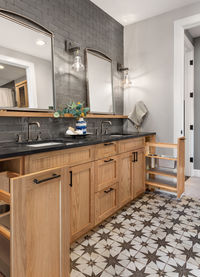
column 138, row 114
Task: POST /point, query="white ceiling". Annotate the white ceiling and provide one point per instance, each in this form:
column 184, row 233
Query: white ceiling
column 22, row 39
column 131, row 11
column 10, row 73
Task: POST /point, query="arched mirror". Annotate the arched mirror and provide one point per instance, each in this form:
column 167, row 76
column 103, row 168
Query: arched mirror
column 26, row 65
column 99, row 82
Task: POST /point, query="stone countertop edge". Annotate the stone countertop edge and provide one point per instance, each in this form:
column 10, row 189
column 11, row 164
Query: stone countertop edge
column 12, row 149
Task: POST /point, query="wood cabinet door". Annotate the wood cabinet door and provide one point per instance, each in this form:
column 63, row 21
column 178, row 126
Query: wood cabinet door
column 138, row 172
column 106, row 203
column 106, row 172
column 82, row 199
column 125, row 178
column 39, row 224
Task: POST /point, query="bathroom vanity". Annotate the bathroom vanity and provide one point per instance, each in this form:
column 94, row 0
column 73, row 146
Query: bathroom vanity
column 57, row 193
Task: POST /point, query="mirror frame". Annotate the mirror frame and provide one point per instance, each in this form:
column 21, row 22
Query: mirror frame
column 32, row 25
column 105, row 57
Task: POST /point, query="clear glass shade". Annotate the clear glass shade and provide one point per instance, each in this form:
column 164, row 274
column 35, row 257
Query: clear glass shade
column 126, row 82
column 78, row 65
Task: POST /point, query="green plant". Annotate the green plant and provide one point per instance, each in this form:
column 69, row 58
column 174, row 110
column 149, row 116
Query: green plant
column 76, row 109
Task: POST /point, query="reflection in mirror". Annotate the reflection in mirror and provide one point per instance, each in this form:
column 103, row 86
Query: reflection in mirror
column 99, row 82
column 26, row 67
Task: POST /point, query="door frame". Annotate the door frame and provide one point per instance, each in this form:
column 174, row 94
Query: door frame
column 179, row 35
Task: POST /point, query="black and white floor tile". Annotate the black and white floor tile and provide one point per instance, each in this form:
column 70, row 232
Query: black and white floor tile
column 154, row 236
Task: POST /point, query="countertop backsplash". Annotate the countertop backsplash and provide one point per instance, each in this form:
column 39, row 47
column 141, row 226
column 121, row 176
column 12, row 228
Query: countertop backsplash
column 50, row 128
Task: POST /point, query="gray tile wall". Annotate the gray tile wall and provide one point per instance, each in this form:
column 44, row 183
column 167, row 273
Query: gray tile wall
column 82, row 22
column 50, row 128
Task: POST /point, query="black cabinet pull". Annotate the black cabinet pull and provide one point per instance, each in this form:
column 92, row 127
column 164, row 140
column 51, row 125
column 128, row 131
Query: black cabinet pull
column 109, row 190
column 70, row 173
column 107, row 144
column 54, row 176
column 107, row 161
column 134, row 158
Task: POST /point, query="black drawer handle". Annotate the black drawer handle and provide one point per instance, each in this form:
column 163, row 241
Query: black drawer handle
column 109, row 190
column 107, row 144
column 107, row 161
column 134, row 157
column 70, row 173
column 54, row 176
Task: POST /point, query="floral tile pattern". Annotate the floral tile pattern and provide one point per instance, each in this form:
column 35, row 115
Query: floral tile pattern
column 154, row 236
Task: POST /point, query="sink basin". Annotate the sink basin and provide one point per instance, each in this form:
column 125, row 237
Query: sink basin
column 43, row 144
column 119, row 135
column 116, row 136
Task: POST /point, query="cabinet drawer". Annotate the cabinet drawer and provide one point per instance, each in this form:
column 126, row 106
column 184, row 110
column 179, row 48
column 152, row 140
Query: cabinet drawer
column 105, row 150
column 130, row 144
column 106, row 203
column 106, row 172
column 42, row 161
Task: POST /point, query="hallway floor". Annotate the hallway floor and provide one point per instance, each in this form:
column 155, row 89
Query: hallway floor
column 156, row 235
column 192, row 187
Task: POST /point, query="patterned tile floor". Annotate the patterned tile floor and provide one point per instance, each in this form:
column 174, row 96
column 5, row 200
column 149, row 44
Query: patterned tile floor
column 154, row 236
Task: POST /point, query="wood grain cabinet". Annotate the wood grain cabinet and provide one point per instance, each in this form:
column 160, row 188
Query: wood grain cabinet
column 38, row 225
column 125, row 178
column 82, row 199
column 138, row 172
column 106, row 150
column 106, row 172
column 106, row 203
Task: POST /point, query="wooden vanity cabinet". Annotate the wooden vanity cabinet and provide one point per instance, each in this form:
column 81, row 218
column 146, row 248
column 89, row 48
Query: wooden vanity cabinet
column 106, row 202
column 125, row 178
column 81, row 199
column 138, row 172
column 106, row 172
column 39, row 220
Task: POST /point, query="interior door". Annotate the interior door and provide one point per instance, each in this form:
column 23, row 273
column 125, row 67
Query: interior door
column 189, row 107
column 39, row 224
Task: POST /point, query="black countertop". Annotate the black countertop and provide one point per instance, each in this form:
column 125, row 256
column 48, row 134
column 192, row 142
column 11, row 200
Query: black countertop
column 11, row 149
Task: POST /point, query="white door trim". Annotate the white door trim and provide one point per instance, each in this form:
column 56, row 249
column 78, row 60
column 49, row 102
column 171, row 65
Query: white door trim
column 179, row 27
column 30, row 75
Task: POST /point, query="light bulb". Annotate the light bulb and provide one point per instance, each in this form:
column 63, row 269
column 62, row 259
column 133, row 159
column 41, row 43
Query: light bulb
column 78, row 65
column 1, row 66
column 40, row 42
column 126, row 82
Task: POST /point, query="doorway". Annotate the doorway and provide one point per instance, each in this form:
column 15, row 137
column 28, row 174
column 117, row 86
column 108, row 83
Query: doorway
column 184, row 92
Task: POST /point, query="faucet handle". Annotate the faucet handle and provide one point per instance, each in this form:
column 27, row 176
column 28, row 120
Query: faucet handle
column 19, row 138
column 39, row 138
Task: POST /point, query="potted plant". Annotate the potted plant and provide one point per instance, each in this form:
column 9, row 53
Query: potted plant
column 78, row 111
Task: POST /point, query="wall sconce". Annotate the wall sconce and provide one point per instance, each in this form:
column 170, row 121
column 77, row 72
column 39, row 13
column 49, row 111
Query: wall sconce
column 77, row 63
column 126, row 81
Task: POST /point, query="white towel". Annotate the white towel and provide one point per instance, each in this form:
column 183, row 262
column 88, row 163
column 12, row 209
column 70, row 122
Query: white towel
column 6, row 98
column 138, row 114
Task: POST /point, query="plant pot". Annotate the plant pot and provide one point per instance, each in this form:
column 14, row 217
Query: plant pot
column 81, row 125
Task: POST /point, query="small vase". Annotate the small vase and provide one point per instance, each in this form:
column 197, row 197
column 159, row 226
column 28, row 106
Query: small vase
column 81, row 125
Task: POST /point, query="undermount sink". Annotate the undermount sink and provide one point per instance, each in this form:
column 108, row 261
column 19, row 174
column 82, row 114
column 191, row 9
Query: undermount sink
column 43, row 144
column 116, row 136
column 119, row 135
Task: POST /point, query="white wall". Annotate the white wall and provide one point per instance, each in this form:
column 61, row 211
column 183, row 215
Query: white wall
column 149, row 53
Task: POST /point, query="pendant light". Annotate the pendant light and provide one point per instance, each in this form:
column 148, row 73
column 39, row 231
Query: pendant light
column 77, row 65
column 126, row 80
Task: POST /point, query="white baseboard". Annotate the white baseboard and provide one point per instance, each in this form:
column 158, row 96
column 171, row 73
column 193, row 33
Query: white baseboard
column 196, row 173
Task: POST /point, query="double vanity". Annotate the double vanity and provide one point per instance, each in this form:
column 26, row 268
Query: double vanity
column 60, row 190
